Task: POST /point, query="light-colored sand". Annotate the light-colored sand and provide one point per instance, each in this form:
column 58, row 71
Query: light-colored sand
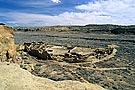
column 12, row 77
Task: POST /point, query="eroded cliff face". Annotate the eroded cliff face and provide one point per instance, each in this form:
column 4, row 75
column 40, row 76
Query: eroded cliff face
column 7, row 45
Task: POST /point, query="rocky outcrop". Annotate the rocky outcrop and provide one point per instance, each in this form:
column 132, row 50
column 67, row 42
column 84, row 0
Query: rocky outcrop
column 7, row 46
column 14, row 78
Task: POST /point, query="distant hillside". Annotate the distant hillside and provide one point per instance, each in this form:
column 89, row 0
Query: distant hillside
column 91, row 28
column 109, row 28
column 47, row 28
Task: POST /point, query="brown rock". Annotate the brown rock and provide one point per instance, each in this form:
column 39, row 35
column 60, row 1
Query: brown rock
column 40, row 54
column 38, row 50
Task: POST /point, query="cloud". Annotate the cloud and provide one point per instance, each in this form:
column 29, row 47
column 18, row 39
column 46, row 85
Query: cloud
column 66, row 18
column 41, row 19
column 56, row 1
column 97, row 12
column 110, row 6
column 121, row 11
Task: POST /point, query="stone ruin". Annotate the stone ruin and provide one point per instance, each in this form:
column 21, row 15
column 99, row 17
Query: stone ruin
column 69, row 54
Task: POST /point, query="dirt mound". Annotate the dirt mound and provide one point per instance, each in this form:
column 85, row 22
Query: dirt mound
column 12, row 77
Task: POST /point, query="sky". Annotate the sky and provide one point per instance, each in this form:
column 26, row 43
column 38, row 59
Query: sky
column 67, row 12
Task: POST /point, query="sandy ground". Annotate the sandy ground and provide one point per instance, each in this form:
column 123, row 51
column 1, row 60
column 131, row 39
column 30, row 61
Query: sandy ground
column 12, row 77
